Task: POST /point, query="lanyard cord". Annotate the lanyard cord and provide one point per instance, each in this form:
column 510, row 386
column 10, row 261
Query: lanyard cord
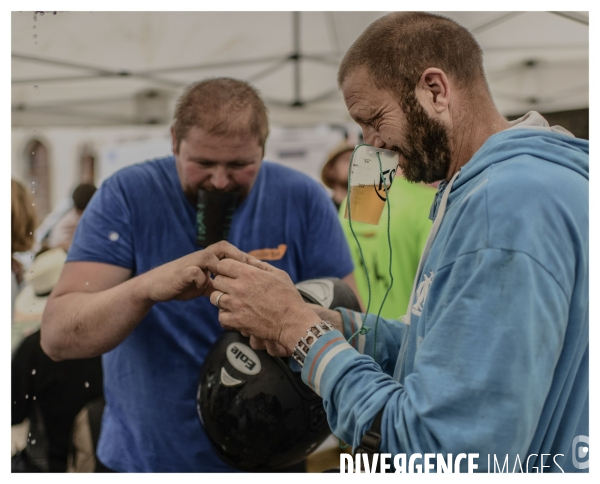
column 365, row 329
column 387, row 202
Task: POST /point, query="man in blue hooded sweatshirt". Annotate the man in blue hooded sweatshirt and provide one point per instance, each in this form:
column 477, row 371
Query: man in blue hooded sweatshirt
column 492, row 355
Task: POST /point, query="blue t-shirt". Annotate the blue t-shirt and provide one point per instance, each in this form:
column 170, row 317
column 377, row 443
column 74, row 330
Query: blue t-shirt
column 140, row 219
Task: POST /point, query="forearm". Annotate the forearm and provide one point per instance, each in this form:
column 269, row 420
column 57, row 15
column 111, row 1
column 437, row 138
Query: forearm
column 95, row 306
column 468, row 371
column 381, row 341
column 386, row 333
column 435, row 414
column 83, row 324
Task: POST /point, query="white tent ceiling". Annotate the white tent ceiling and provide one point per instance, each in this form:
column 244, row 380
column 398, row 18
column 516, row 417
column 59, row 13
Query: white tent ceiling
column 91, row 68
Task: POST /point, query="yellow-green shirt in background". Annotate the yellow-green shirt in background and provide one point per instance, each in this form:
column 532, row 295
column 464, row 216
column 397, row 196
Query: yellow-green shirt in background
column 409, row 227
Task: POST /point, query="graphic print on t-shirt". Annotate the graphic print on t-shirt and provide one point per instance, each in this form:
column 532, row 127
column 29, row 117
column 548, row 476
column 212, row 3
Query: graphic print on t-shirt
column 269, row 254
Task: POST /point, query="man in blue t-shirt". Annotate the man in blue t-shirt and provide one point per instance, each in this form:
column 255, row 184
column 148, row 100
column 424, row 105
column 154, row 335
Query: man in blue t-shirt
column 131, row 287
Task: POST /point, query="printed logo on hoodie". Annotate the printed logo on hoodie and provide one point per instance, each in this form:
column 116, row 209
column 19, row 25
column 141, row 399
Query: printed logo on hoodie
column 421, row 294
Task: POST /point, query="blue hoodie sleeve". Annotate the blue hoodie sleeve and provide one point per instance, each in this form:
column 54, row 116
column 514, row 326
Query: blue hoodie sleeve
column 387, row 333
column 481, row 374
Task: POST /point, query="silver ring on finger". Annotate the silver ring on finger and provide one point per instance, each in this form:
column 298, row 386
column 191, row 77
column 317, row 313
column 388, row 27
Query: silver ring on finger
column 218, row 299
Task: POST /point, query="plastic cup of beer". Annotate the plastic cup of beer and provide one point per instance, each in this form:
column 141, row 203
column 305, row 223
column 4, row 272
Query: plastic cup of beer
column 368, row 184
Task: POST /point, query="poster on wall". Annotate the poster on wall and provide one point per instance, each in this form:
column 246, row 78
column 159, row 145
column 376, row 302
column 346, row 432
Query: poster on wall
column 114, row 157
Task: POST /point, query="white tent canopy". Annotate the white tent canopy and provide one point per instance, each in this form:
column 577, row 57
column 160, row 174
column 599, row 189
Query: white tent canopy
column 119, row 68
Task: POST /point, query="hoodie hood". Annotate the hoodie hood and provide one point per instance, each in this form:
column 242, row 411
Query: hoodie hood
column 529, row 135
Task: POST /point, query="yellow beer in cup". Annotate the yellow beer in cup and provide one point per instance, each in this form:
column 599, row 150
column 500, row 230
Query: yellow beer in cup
column 367, row 185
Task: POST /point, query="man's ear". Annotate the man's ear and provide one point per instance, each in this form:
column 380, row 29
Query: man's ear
column 433, row 90
column 174, row 146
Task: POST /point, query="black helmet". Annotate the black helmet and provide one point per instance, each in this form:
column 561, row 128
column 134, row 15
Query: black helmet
column 258, row 413
column 329, row 292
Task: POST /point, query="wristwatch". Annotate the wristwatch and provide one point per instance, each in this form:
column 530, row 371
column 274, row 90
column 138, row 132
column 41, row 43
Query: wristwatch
column 306, row 343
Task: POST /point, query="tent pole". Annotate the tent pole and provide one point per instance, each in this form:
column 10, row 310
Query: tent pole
column 577, row 17
column 295, row 57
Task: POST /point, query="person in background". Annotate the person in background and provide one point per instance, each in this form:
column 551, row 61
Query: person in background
column 61, row 235
column 334, row 173
column 46, row 393
column 22, row 225
column 409, row 227
column 49, row 394
column 40, row 278
column 130, row 289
